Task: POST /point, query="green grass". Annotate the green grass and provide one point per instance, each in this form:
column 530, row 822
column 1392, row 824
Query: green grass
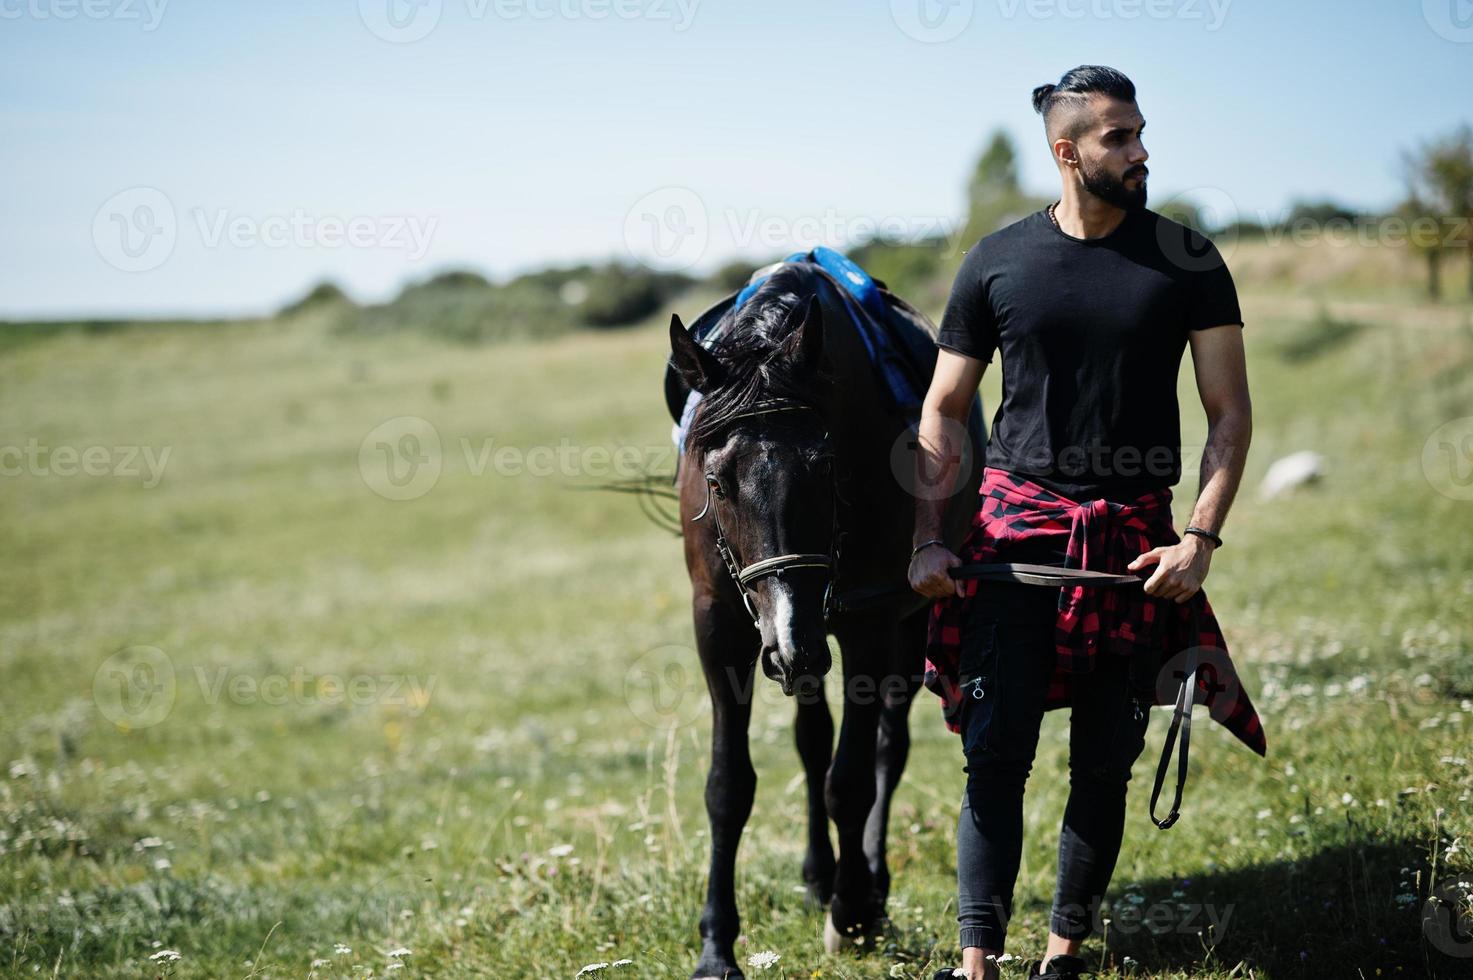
column 521, row 817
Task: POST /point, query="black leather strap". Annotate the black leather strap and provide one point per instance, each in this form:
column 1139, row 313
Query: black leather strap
column 1203, row 532
column 1181, row 720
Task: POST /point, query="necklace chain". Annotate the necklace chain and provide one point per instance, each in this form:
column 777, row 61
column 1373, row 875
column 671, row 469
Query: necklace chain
column 1052, row 217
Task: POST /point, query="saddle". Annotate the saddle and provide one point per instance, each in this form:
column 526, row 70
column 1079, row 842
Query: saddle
column 900, row 339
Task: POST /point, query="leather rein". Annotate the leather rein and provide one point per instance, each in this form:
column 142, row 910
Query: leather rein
column 744, row 575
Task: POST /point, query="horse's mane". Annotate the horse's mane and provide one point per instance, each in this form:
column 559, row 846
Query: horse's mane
column 753, row 376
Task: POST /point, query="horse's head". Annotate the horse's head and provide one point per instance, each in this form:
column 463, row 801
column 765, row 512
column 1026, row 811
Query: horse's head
column 761, row 445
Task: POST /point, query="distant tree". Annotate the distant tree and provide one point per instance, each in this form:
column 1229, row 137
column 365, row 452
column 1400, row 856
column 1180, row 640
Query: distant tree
column 1320, row 213
column 325, row 295
column 996, row 174
column 1439, row 176
column 623, row 294
column 734, row 274
column 994, row 196
column 1421, row 216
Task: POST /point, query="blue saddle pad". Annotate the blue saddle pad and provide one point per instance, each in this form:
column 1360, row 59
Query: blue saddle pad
column 895, row 335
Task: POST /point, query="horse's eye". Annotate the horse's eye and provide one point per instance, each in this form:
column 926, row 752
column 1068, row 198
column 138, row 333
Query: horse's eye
column 715, row 486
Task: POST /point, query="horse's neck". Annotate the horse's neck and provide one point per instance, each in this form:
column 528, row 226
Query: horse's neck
column 855, row 397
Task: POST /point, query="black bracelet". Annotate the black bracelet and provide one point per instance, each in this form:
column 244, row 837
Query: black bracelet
column 924, row 545
column 1203, row 532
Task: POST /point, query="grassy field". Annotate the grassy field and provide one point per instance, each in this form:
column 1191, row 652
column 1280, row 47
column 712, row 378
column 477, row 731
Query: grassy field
column 261, row 714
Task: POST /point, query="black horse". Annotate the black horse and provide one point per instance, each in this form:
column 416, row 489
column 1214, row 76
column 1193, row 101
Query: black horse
column 793, row 508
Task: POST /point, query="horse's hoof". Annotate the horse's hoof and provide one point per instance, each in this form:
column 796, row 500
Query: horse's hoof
column 833, row 940
column 858, row 937
column 709, row 970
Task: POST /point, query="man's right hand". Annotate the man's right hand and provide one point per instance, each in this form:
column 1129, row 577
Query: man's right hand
column 930, row 573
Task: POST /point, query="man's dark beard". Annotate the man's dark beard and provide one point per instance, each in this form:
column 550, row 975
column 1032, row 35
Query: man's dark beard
column 1112, row 190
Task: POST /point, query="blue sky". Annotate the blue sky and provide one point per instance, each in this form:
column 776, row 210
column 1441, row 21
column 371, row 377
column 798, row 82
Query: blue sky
column 244, row 151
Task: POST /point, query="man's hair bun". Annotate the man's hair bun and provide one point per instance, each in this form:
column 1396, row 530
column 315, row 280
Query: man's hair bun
column 1040, row 96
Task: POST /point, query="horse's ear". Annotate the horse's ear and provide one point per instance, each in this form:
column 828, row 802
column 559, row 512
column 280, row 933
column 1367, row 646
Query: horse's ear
column 697, row 366
column 804, row 346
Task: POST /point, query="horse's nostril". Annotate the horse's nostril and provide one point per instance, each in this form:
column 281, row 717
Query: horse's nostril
column 770, row 666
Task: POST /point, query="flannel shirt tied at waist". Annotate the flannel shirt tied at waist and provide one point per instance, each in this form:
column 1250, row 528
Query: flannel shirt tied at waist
column 1105, row 537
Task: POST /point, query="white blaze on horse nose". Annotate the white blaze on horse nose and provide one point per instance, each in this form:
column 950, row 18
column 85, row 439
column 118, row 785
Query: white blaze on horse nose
column 782, row 620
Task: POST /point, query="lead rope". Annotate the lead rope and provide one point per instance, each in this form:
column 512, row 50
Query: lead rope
column 1181, row 718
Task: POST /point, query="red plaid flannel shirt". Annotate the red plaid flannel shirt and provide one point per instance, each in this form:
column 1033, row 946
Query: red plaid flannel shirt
column 1102, row 536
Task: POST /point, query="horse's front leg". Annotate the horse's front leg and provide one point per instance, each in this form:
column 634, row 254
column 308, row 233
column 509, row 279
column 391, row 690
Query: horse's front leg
column 898, row 686
column 850, row 792
column 813, row 731
column 728, row 646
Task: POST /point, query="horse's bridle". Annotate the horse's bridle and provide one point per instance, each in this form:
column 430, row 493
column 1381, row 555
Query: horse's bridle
column 743, row 575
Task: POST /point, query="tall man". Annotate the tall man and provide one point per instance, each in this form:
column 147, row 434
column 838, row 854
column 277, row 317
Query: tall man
column 1091, row 302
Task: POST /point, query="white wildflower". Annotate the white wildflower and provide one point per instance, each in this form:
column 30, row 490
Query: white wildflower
column 167, row 955
column 763, row 960
column 560, row 850
column 593, row 968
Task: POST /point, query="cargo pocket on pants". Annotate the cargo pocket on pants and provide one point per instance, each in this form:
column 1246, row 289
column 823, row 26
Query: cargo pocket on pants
column 980, row 684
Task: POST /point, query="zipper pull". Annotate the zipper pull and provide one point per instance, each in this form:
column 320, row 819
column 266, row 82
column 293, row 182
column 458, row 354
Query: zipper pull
column 976, row 685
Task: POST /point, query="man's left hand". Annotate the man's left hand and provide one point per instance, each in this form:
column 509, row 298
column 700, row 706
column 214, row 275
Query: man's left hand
column 1180, row 568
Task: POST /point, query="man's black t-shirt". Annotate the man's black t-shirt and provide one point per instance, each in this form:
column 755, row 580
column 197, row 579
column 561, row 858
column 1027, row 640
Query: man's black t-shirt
column 1092, row 333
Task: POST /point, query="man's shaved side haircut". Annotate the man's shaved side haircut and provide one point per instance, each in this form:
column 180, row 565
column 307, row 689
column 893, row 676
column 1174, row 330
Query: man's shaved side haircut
column 1061, row 105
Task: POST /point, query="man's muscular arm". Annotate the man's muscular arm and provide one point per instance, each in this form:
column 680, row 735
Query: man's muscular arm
column 942, row 436
column 1222, row 382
